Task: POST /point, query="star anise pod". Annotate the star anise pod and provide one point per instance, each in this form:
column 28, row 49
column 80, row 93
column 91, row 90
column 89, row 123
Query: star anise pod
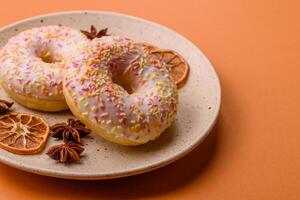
column 73, row 130
column 67, row 152
column 4, row 106
column 94, row 33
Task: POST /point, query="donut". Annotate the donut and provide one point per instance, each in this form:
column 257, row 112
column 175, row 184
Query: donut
column 31, row 64
column 120, row 91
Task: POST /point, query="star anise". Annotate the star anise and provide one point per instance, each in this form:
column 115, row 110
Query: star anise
column 4, row 106
column 67, row 152
column 94, row 33
column 73, row 130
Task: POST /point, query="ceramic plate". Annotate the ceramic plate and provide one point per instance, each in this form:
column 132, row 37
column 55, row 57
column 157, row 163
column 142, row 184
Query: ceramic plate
column 198, row 108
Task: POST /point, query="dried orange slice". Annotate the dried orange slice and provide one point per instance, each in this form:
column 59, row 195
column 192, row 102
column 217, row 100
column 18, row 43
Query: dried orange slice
column 23, row 133
column 175, row 63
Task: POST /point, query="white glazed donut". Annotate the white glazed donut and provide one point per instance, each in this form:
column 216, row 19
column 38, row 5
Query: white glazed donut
column 120, row 91
column 31, row 64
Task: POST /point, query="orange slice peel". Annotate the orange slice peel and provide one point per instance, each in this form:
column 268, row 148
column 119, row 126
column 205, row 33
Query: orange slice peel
column 23, row 133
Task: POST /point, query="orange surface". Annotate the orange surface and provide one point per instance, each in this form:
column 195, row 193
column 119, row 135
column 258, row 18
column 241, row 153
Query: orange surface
column 254, row 151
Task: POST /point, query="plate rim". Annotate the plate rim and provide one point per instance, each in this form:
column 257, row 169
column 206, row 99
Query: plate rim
column 133, row 171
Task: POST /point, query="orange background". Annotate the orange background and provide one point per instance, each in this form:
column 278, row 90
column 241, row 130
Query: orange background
column 254, row 150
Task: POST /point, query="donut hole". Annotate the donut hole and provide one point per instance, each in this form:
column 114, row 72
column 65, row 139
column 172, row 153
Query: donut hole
column 119, row 72
column 47, row 56
column 123, row 82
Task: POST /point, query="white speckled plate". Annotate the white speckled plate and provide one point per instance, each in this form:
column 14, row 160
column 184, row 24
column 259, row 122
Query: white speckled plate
column 199, row 105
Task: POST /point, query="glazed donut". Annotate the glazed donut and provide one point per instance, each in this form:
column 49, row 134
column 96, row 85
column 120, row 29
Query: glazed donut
column 31, row 64
column 120, row 91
